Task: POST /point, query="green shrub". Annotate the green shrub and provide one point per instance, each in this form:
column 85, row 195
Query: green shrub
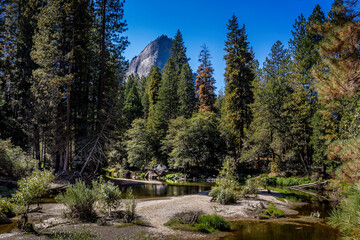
column 7, row 207
column 14, row 161
column 30, row 190
column 130, row 207
column 108, row 195
column 80, row 200
column 224, row 190
column 212, row 223
column 346, row 217
column 251, row 187
column 272, row 211
column 223, row 196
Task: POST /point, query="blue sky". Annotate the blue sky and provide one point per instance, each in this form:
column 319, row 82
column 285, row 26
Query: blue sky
column 204, row 21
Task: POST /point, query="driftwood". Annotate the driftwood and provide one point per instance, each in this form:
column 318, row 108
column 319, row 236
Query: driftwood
column 308, row 185
column 302, row 187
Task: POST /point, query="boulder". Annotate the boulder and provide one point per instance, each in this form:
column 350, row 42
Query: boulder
column 160, row 170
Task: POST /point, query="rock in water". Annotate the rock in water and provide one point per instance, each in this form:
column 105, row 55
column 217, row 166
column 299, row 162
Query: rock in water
column 156, row 53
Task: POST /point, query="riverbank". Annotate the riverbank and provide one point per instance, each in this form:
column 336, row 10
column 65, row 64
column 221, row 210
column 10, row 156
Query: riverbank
column 154, row 213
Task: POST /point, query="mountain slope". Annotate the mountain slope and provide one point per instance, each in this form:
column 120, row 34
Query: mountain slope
column 155, row 53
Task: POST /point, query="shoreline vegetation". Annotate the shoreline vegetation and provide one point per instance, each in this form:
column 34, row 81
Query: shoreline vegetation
column 153, row 214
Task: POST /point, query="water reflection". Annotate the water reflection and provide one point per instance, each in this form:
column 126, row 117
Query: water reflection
column 252, row 230
column 166, row 190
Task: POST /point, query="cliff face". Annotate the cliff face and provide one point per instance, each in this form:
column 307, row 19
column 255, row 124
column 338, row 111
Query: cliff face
column 155, row 53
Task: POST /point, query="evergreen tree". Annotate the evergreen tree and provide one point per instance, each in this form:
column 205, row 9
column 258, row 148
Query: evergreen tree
column 132, row 102
column 304, row 98
column 186, row 92
column 269, row 134
column 338, row 84
column 168, row 98
column 205, row 82
column 178, row 52
column 238, row 77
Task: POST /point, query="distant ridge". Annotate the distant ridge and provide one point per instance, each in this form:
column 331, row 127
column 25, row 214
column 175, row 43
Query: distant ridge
column 155, row 53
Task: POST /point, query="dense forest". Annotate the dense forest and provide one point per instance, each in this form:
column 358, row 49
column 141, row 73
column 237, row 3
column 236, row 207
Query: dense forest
column 67, row 104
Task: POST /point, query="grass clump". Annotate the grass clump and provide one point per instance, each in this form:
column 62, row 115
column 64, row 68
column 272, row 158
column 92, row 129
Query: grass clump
column 84, row 234
column 196, row 221
column 212, row 223
column 271, row 212
column 347, row 216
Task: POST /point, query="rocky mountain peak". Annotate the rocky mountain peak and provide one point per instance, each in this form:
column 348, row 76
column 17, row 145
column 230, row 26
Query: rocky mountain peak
column 155, row 53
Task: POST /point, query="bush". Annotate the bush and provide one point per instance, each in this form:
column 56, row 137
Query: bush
column 80, row 200
column 223, row 196
column 108, row 195
column 212, row 223
column 13, row 160
column 30, row 190
column 251, row 187
column 130, row 206
column 189, row 218
column 346, row 217
column 224, row 190
column 7, row 207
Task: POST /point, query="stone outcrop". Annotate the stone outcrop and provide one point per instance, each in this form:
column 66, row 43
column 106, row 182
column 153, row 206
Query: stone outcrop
column 155, row 53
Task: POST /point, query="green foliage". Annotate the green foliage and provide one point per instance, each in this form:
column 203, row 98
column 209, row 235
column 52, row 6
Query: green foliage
column 132, row 102
column 139, row 147
column 108, row 195
column 347, row 216
column 186, row 92
column 130, row 207
column 272, row 211
column 251, row 187
column 14, row 161
column 238, row 77
column 212, row 223
column 269, row 132
column 84, row 234
column 226, row 183
column 30, row 190
column 194, row 143
column 80, row 201
column 265, row 180
column 7, row 207
column 196, row 221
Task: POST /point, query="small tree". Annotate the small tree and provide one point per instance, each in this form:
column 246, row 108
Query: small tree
column 30, row 189
column 224, row 190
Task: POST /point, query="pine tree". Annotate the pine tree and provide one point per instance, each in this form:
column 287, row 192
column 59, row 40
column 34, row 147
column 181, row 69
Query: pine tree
column 338, row 84
column 186, row 92
column 205, row 82
column 269, row 134
column 132, row 102
column 238, row 77
column 168, row 98
column 304, row 98
column 178, row 52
